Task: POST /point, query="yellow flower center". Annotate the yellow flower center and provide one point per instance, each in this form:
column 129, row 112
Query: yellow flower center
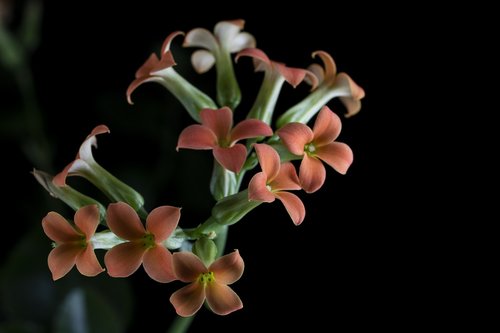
column 206, row 278
column 148, row 241
column 310, row 149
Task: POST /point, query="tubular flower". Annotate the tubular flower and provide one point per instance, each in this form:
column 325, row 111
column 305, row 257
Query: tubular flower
column 73, row 243
column 315, row 145
column 217, row 48
column 216, row 132
column 85, row 166
column 276, row 74
column 161, row 71
column 273, row 182
column 331, row 85
column 207, row 283
column 144, row 244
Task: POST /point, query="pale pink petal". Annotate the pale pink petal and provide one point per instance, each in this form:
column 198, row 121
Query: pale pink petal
column 187, row 266
column 124, row 221
column 231, row 158
column 228, row 269
column 312, row 174
column 87, row 219
column 293, row 205
column 221, row 299
column 286, row 179
column 257, row 189
column 250, row 128
column 295, row 136
column 137, row 82
column 242, row 41
column 318, row 72
column 201, row 37
column 85, row 151
column 257, row 54
column 59, row 230
column 124, row 259
column 197, row 137
column 269, row 160
column 219, row 121
column 330, row 67
column 226, row 32
column 350, row 93
column 326, row 128
column 189, row 299
column 338, row 155
column 352, row 105
column 60, row 178
column 166, row 43
column 162, row 221
column 202, row 61
column 62, row 259
column 294, row 76
column 157, row 262
column 87, row 262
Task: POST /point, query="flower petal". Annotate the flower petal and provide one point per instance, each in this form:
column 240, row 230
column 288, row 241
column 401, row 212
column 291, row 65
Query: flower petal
column 326, row 128
column 124, row 259
column 220, row 121
column 258, row 56
column 149, row 65
column 202, row 61
column 87, row 262
column 162, row 221
column 221, row 299
column 226, row 32
column 157, row 262
column 85, row 151
column 295, row 136
column 312, row 174
column 293, row 205
column 187, row 266
column 196, row 137
column 229, row 268
column 231, row 158
column 250, row 128
column 338, row 155
column 188, row 300
column 286, row 179
column 351, row 93
column 201, row 37
column 124, row 221
column 87, row 220
column 269, row 160
column 60, row 178
column 58, row 229
column 317, row 71
column 166, row 43
column 62, row 259
column 241, row 41
column 330, row 67
column 294, row 76
column 257, row 189
column 137, row 82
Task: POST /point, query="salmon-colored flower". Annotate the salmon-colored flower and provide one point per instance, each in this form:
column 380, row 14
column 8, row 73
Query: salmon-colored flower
column 145, row 245
column 273, row 182
column 73, row 243
column 216, row 132
column 317, row 145
column 207, row 283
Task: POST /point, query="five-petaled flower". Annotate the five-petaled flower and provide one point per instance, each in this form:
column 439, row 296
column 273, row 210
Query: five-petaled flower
column 144, row 244
column 73, row 243
column 207, row 283
column 273, row 182
column 315, row 145
column 216, row 132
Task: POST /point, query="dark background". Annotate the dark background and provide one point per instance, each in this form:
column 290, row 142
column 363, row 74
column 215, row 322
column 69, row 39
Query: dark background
column 354, row 261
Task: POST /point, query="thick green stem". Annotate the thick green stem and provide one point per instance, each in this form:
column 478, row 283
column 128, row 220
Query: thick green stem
column 228, row 90
column 263, row 107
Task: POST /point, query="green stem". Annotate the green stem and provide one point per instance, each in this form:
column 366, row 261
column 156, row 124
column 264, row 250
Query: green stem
column 180, row 324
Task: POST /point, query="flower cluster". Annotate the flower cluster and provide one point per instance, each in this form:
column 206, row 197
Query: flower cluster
column 133, row 237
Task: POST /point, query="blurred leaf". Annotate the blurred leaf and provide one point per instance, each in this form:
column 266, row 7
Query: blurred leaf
column 23, row 327
column 29, row 33
column 11, row 55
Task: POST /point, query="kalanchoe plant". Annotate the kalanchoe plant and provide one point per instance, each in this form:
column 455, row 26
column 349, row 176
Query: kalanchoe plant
column 132, row 236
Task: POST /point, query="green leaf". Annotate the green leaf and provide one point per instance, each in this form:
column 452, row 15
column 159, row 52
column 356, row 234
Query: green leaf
column 29, row 33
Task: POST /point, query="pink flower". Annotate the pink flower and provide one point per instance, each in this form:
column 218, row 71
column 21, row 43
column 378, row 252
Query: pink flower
column 273, row 182
column 315, row 145
column 216, row 132
column 145, row 244
column 207, row 283
column 73, row 243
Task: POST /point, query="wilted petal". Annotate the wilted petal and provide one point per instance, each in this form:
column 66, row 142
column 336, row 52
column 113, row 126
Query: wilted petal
column 229, row 268
column 85, row 151
column 149, row 65
column 58, row 229
column 330, row 67
column 136, row 83
column 62, row 259
column 188, row 300
column 124, row 259
column 197, row 137
column 157, row 262
column 220, row 121
column 318, row 71
column 293, row 205
column 250, row 128
column 327, row 127
column 162, row 221
column 286, row 179
column 295, row 136
column 166, row 43
column 221, row 299
column 338, row 155
column 351, row 93
column 312, row 174
column 226, row 32
column 60, row 178
column 231, row 158
column 294, row 76
column 124, row 221
column 269, row 160
column 202, row 61
column 87, row 262
column 187, row 266
column 166, row 61
column 258, row 56
column 87, row 219
column 257, row 189
column 201, row 37
column 242, row 41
